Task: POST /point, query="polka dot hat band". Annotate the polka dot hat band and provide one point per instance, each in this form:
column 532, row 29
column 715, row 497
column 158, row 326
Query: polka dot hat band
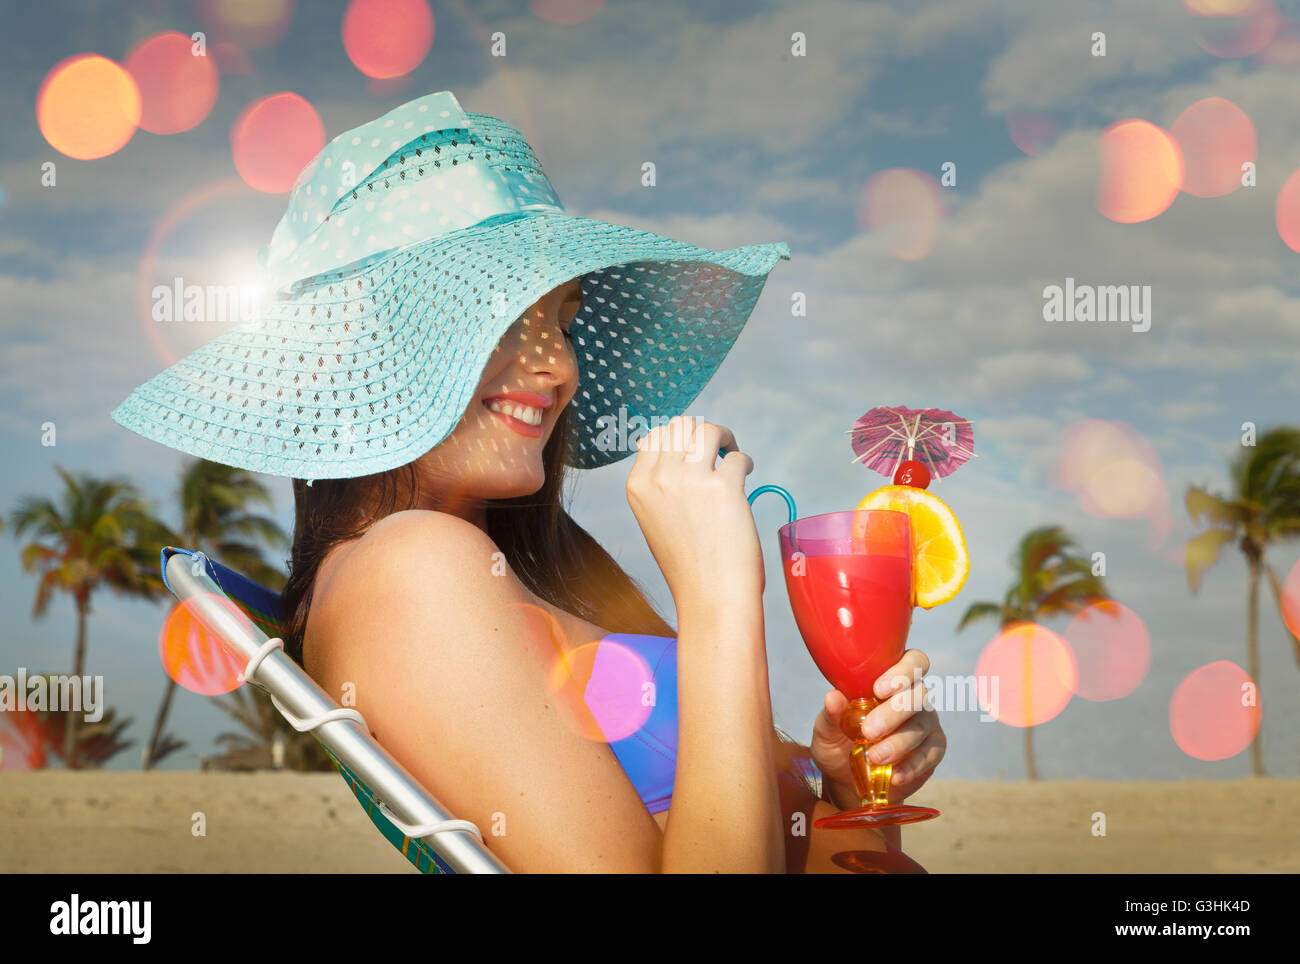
column 410, row 246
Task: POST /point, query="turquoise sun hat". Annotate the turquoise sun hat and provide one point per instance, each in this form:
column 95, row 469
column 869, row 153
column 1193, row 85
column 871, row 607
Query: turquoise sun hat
column 411, row 244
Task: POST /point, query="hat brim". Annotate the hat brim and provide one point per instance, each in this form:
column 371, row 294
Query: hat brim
column 367, row 368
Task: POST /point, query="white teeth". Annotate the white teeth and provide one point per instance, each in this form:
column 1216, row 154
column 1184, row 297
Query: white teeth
column 525, row 413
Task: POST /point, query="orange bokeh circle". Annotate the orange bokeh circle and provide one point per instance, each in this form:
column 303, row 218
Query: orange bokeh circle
column 1141, row 171
column 88, row 107
column 1216, row 138
column 194, row 655
column 273, row 139
column 1287, row 212
column 387, row 38
column 177, row 87
column 1112, row 647
column 1031, row 674
column 1215, row 711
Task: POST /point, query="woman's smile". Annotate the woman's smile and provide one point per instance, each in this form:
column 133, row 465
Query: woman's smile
column 522, row 419
column 521, row 411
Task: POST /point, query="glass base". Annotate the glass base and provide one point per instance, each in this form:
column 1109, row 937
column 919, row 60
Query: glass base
column 892, row 815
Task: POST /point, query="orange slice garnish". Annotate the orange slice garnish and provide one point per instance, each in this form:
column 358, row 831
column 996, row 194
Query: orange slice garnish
column 940, row 562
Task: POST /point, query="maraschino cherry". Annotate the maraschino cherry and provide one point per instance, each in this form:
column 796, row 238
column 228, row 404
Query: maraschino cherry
column 913, row 473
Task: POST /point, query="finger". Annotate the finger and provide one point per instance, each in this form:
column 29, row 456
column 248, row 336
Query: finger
column 833, row 705
column 903, row 741
column 827, row 725
column 893, row 712
column 670, row 440
column 835, row 702
column 648, row 450
column 709, row 439
column 921, row 763
column 912, row 667
column 736, row 464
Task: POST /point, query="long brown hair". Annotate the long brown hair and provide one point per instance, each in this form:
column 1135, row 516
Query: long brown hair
column 553, row 556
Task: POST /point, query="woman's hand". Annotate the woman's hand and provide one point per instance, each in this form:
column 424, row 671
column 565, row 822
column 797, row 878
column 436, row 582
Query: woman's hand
column 909, row 735
column 692, row 509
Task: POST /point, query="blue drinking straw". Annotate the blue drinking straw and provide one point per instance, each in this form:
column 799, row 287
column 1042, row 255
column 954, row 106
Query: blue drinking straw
column 789, row 499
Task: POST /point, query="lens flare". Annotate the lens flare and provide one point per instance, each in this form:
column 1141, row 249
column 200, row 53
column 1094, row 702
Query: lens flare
column 1291, row 601
column 604, row 691
column 1215, row 711
column 1122, row 488
column 1113, row 650
column 1031, row 674
column 1032, row 133
column 1112, row 470
column 22, row 744
column 273, row 139
column 1216, row 138
column 219, row 195
column 1235, row 28
column 566, row 12
column 1288, row 212
column 904, row 205
column 1218, row 8
column 1284, row 50
column 1141, row 171
column 196, row 656
column 177, row 88
column 613, row 684
column 387, row 38
column 88, row 107
column 241, row 24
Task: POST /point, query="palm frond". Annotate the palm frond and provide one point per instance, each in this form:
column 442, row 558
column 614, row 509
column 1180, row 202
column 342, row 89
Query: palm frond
column 1202, row 552
column 1072, row 596
column 978, row 611
column 38, row 515
column 1225, row 513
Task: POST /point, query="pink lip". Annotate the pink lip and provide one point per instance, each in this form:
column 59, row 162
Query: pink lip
column 531, row 399
column 514, row 424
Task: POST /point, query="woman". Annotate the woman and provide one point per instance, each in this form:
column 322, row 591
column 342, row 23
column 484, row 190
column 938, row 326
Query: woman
column 435, row 577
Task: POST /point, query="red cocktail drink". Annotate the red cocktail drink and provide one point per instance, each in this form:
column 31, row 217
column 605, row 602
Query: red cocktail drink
column 849, row 576
column 854, row 612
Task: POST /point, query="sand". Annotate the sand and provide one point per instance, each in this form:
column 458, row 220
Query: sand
column 108, row 822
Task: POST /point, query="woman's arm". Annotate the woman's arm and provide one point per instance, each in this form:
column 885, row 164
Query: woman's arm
column 726, row 811
column 456, row 676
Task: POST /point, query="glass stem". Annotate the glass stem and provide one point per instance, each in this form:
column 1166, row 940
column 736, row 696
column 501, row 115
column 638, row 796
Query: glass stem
column 871, row 780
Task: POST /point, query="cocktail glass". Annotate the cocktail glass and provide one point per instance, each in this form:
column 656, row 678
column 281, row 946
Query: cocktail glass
column 849, row 576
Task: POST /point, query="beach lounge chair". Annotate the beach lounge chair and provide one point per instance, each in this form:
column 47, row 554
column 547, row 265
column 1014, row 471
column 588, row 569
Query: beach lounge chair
column 248, row 617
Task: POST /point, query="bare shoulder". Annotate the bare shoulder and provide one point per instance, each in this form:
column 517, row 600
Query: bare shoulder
column 416, row 550
column 420, row 537
column 453, row 667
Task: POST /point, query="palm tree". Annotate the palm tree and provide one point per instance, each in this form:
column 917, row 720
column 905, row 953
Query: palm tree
column 37, row 735
column 214, row 500
column 1053, row 577
column 1263, row 508
column 267, row 740
column 100, row 533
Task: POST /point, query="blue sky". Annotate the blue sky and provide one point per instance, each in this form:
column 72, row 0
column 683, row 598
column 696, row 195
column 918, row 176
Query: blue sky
column 751, row 146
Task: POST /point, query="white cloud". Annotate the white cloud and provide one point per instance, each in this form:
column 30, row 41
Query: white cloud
column 779, row 189
column 1049, row 62
column 1016, row 372
column 1188, row 410
column 717, row 231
